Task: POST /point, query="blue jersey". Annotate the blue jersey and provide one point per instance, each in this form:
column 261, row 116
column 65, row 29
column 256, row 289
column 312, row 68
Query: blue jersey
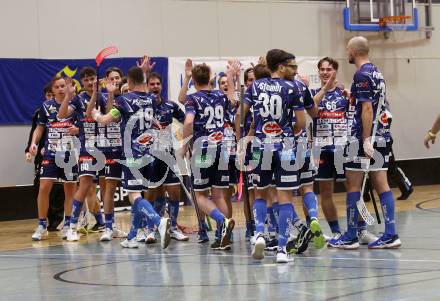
column 109, row 137
column 274, row 102
column 89, row 130
column 137, row 119
column 166, row 111
column 209, row 109
column 330, row 127
column 57, row 130
column 369, row 85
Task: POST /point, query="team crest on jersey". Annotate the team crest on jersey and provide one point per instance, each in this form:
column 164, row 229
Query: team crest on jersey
column 145, row 139
column 272, row 128
column 52, row 109
column 215, row 137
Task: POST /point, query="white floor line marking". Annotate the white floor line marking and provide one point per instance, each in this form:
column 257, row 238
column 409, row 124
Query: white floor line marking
column 212, row 255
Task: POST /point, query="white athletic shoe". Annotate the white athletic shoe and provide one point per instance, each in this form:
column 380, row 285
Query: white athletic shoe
column 39, row 232
column 335, row 235
column 72, row 235
column 283, row 256
column 164, row 231
column 64, row 232
column 107, row 235
column 260, row 244
column 117, row 233
column 130, row 244
column 253, row 240
column 151, row 236
column 142, row 235
column 177, row 235
column 366, row 237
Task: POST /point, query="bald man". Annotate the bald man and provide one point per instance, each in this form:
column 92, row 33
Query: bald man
column 369, row 148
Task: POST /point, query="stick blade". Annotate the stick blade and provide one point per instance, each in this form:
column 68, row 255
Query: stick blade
column 105, row 53
column 363, row 211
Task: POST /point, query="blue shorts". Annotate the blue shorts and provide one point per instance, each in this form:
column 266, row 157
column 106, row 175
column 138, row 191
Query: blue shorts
column 278, row 166
column 112, row 170
column 133, row 182
column 357, row 161
column 162, row 174
column 207, row 171
column 234, row 175
column 328, row 169
column 50, row 171
column 87, row 166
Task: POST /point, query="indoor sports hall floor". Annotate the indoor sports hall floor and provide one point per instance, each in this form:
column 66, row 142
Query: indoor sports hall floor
column 56, row 270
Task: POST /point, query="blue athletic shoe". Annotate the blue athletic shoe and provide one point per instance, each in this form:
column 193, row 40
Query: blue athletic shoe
column 202, row 236
column 344, row 242
column 386, row 241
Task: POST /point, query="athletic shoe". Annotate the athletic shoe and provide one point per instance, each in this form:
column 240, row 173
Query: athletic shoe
column 64, row 232
column 117, row 233
column 366, row 237
column 260, row 244
column 335, row 235
column 301, row 243
column 72, row 235
column 202, row 236
column 130, row 244
column 283, row 256
column 151, row 237
column 142, row 235
column 39, row 232
column 344, row 242
column 215, row 245
column 164, row 231
column 96, row 228
column 107, row 235
column 386, row 241
column 227, row 227
column 271, row 245
column 253, row 239
column 318, row 237
column 177, row 235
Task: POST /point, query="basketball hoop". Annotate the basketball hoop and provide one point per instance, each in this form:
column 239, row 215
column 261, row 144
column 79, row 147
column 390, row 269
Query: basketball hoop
column 394, row 22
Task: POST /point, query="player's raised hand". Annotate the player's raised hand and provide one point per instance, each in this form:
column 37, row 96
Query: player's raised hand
column 262, row 60
column 304, row 78
column 331, row 83
column 188, row 68
column 145, row 64
column 70, row 87
column 112, row 88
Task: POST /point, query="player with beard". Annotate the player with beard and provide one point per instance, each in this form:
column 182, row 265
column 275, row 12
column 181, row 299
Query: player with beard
column 368, row 95
column 277, row 106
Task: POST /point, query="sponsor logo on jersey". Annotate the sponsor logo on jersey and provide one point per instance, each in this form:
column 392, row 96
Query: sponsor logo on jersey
column 145, row 139
column 362, row 85
column 215, row 137
column 272, row 128
column 384, row 119
column 337, row 115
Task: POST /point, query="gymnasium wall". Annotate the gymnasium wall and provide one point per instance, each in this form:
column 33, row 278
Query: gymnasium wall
column 56, row 29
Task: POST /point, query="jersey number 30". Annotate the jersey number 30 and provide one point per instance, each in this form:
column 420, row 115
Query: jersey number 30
column 271, row 105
